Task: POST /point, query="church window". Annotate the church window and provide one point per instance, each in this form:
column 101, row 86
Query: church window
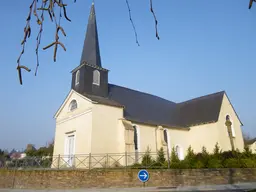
column 73, row 105
column 135, row 138
column 77, row 77
column 232, row 125
column 136, row 145
column 165, row 136
column 96, row 77
column 179, row 152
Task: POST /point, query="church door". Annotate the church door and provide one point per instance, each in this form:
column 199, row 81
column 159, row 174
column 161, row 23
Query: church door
column 70, row 149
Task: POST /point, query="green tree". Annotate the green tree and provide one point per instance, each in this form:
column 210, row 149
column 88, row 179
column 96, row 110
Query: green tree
column 216, row 150
column 160, row 157
column 174, row 157
column 147, row 159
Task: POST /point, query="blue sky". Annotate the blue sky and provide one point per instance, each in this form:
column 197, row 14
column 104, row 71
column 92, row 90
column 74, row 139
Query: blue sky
column 205, row 47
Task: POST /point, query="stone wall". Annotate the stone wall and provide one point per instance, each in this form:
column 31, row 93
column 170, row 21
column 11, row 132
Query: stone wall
column 70, row 179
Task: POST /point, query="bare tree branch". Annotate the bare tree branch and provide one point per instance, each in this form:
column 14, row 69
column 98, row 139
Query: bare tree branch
column 49, row 6
column 130, row 16
column 156, row 22
column 250, row 3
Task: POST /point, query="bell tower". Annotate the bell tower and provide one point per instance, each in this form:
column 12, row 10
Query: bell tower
column 90, row 77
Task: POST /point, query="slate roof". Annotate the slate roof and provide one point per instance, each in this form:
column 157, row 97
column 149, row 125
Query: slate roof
column 103, row 100
column 150, row 109
column 142, row 107
column 200, row 110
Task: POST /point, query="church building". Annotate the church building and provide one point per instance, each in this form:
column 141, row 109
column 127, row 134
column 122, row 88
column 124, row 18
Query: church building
column 99, row 118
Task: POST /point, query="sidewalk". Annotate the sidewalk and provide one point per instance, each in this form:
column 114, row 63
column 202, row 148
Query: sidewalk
column 237, row 187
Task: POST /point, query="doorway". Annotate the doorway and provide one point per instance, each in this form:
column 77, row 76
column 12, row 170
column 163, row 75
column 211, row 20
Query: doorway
column 70, row 149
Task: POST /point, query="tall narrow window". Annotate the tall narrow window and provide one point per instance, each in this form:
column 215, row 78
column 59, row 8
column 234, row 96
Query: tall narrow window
column 96, row 77
column 165, row 136
column 77, row 77
column 179, row 152
column 136, row 144
column 135, row 138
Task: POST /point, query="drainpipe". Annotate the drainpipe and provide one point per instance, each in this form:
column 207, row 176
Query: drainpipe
column 156, row 137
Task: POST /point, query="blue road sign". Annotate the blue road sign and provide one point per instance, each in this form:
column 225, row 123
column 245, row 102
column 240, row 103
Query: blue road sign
column 143, row 175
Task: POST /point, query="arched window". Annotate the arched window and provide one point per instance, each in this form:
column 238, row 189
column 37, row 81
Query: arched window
column 135, row 138
column 77, row 77
column 96, row 77
column 72, row 105
column 232, row 125
column 136, row 146
column 166, row 136
column 179, row 152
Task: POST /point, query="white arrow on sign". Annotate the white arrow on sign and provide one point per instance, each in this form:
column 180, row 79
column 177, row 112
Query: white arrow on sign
column 144, row 175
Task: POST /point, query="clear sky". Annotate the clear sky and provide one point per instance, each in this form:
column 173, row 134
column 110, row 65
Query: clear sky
column 205, row 47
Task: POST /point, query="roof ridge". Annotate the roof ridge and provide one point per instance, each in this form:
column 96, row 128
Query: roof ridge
column 142, row 92
column 202, row 97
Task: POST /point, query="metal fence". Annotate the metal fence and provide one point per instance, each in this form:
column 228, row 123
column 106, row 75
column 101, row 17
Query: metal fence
column 89, row 161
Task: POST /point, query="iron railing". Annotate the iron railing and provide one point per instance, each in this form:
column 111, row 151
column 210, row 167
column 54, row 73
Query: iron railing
column 89, row 161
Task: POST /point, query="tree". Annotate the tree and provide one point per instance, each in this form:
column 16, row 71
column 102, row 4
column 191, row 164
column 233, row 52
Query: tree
column 160, row 157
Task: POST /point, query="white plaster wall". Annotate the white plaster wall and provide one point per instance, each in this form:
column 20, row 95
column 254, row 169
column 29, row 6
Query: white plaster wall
column 78, row 121
column 226, row 108
column 106, row 133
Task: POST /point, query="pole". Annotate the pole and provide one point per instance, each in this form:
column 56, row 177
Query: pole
column 90, row 159
column 168, row 156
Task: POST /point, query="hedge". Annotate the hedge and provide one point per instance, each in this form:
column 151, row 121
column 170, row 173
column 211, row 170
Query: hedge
column 204, row 159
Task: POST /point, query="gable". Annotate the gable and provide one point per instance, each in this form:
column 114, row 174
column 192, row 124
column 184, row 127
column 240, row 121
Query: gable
column 83, row 103
column 228, row 109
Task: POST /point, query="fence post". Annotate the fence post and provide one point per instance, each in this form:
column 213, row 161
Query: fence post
column 74, row 162
column 168, row 157
column 90, row 159
column 16, row 164
column 59, row 161
column 106, row 164
column 126, row 159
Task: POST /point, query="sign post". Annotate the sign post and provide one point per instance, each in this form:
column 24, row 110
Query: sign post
column 143, row 176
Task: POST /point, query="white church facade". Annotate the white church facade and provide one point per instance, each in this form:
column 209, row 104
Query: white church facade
column 101, row 118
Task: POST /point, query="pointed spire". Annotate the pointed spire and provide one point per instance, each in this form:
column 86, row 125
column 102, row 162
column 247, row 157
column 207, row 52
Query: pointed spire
column 91, row 50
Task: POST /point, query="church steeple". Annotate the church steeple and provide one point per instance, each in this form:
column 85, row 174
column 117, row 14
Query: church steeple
column 91, row 50
column 90, row 78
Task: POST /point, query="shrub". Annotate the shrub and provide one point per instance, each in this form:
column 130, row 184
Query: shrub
column 247, row 153
column 190, row 153
column 232, row 163
column 160, row 156
column 147, row 159
column 160, row 160
column 248, row 163
column 217, row 151
column 174, row 157
column 217, row 159
column 214, row 163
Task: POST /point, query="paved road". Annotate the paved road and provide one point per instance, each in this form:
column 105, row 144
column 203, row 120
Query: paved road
column 223, row 188
column 123, row 190
column 110, row 190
